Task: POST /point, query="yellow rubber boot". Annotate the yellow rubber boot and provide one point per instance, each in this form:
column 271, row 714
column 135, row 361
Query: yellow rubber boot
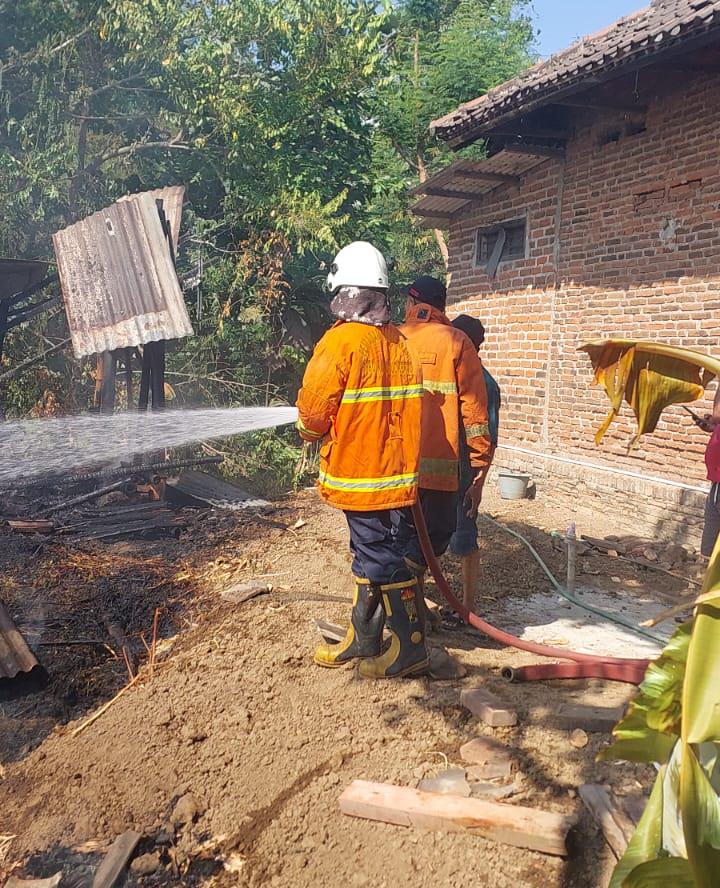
column 407, row 653
column 364, row 634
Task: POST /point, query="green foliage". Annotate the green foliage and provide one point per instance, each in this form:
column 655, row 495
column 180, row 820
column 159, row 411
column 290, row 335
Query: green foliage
column 651, row 727
column 440, row 53
column 673, row 871
column 674, row 721
column 296, row 125
column 269, row 462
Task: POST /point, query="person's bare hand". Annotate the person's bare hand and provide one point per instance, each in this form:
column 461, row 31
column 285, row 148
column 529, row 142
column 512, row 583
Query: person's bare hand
column 708, row 422
column 473, row 497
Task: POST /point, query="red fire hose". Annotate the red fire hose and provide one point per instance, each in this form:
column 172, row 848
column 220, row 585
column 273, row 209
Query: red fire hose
column 582, row 665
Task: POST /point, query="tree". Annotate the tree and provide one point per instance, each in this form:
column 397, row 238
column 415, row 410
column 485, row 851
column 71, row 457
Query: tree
column 260, row 106
column 296, row 125
column 443, row 53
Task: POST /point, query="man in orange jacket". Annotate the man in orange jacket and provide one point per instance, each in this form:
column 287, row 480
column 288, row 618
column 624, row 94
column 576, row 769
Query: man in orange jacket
column 362, row 397
column 455, row 399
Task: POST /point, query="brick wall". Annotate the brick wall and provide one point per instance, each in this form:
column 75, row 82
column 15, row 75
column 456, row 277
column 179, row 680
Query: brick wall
column 623, row 241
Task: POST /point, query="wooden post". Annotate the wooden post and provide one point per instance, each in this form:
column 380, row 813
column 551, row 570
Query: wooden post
column 157, row 375
column 105, row 373
column 127, row 357
column 145, row 379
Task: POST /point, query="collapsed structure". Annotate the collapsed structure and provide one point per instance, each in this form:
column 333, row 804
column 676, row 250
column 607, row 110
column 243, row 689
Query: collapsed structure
column 594, row 216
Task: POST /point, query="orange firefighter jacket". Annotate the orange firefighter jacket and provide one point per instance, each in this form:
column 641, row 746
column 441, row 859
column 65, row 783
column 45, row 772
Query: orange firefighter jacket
column 362, row 395
column 455, row 395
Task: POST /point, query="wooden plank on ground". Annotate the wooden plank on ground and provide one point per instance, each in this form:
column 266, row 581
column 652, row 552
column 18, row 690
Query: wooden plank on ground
column 486, row 705
column 511, row 824
column 614, row 822
column 116, row 859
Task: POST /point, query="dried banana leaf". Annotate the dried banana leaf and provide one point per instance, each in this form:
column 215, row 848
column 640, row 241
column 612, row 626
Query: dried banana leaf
column 649, row 376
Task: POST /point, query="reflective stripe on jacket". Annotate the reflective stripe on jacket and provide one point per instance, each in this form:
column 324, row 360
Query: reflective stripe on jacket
column 455, row 395
column 362, row 395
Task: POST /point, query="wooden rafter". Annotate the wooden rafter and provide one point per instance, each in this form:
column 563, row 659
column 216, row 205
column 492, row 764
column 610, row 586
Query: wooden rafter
column 455, row 193
column 536, row 150
column 433, row 214
column 522, row 132
column 503, row 178
column 602, row 105
column 449, row 178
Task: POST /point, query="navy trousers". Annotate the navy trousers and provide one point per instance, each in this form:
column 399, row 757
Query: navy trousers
column 375, row 545
column 439, row 509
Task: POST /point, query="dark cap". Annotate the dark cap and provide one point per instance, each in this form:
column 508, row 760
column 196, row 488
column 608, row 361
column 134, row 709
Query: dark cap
column 471, row 327
column 429, row 289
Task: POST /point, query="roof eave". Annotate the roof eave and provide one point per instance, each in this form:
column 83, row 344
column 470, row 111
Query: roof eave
column 458, row 133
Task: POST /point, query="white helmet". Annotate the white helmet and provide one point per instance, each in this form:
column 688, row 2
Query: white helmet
column 358, row 265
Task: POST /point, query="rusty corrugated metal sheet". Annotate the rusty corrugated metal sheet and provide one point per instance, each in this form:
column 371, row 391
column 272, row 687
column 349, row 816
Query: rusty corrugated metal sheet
column 118, row 279
column 19, row 274
column 172, row 198
column 655, row 31
column 199, row 486
column 15, row 656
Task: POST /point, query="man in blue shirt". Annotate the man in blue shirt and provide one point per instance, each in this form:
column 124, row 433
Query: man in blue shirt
column 464, row 540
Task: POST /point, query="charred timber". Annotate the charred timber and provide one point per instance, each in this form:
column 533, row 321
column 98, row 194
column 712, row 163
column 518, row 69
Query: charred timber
column 132, row 471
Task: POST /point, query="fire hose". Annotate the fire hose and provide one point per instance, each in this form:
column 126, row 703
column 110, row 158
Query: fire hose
column 580, row 665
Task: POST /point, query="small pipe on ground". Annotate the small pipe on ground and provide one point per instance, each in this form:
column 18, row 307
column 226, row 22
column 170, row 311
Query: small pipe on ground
column 571, row 541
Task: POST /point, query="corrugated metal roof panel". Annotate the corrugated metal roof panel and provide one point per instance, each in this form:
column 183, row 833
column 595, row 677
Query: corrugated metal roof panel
column 656, row 30
column 118, row 280
column 172, row 198
column 15, row 655
column 463, row 175
column 214, row 491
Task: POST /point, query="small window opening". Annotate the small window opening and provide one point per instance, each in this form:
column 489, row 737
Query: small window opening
column 501, row 243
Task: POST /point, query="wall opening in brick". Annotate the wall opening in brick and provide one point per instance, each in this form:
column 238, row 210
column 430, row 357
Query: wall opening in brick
column 500, row 243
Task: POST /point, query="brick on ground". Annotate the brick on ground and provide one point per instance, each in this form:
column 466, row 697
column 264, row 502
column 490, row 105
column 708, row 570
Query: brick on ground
column 594, row 719
column 488, row 707
column 487, row 758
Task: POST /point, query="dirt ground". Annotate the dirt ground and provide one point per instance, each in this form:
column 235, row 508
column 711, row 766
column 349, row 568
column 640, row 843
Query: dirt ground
column 235, row 715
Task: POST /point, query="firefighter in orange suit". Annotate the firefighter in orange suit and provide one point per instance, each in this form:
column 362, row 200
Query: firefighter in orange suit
column 362, row 398
column 455, row 400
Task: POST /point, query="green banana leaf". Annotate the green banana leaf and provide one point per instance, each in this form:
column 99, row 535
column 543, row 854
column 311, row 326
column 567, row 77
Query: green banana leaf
column 665, row 872
column 701, row 820
column 651, row 727
column 646, row 842
column 673, row 834
column 701, row 695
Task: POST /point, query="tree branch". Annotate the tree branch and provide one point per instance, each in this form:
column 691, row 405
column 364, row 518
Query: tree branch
column 127, row 150
column 401, row 152
column 439, row 236
column 55, row 49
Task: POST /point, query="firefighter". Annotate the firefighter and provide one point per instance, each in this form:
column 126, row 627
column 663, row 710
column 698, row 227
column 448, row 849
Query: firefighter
column 464, row 540
column 455, row 400
column 362, row 398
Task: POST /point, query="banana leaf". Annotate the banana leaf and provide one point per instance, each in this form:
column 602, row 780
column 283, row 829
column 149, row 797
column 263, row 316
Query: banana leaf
column 649, row 376
column 646, row 843
column 651, row 727
column 701, row 692
column 700, row 807
column 680, row 695
column 668, row 872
